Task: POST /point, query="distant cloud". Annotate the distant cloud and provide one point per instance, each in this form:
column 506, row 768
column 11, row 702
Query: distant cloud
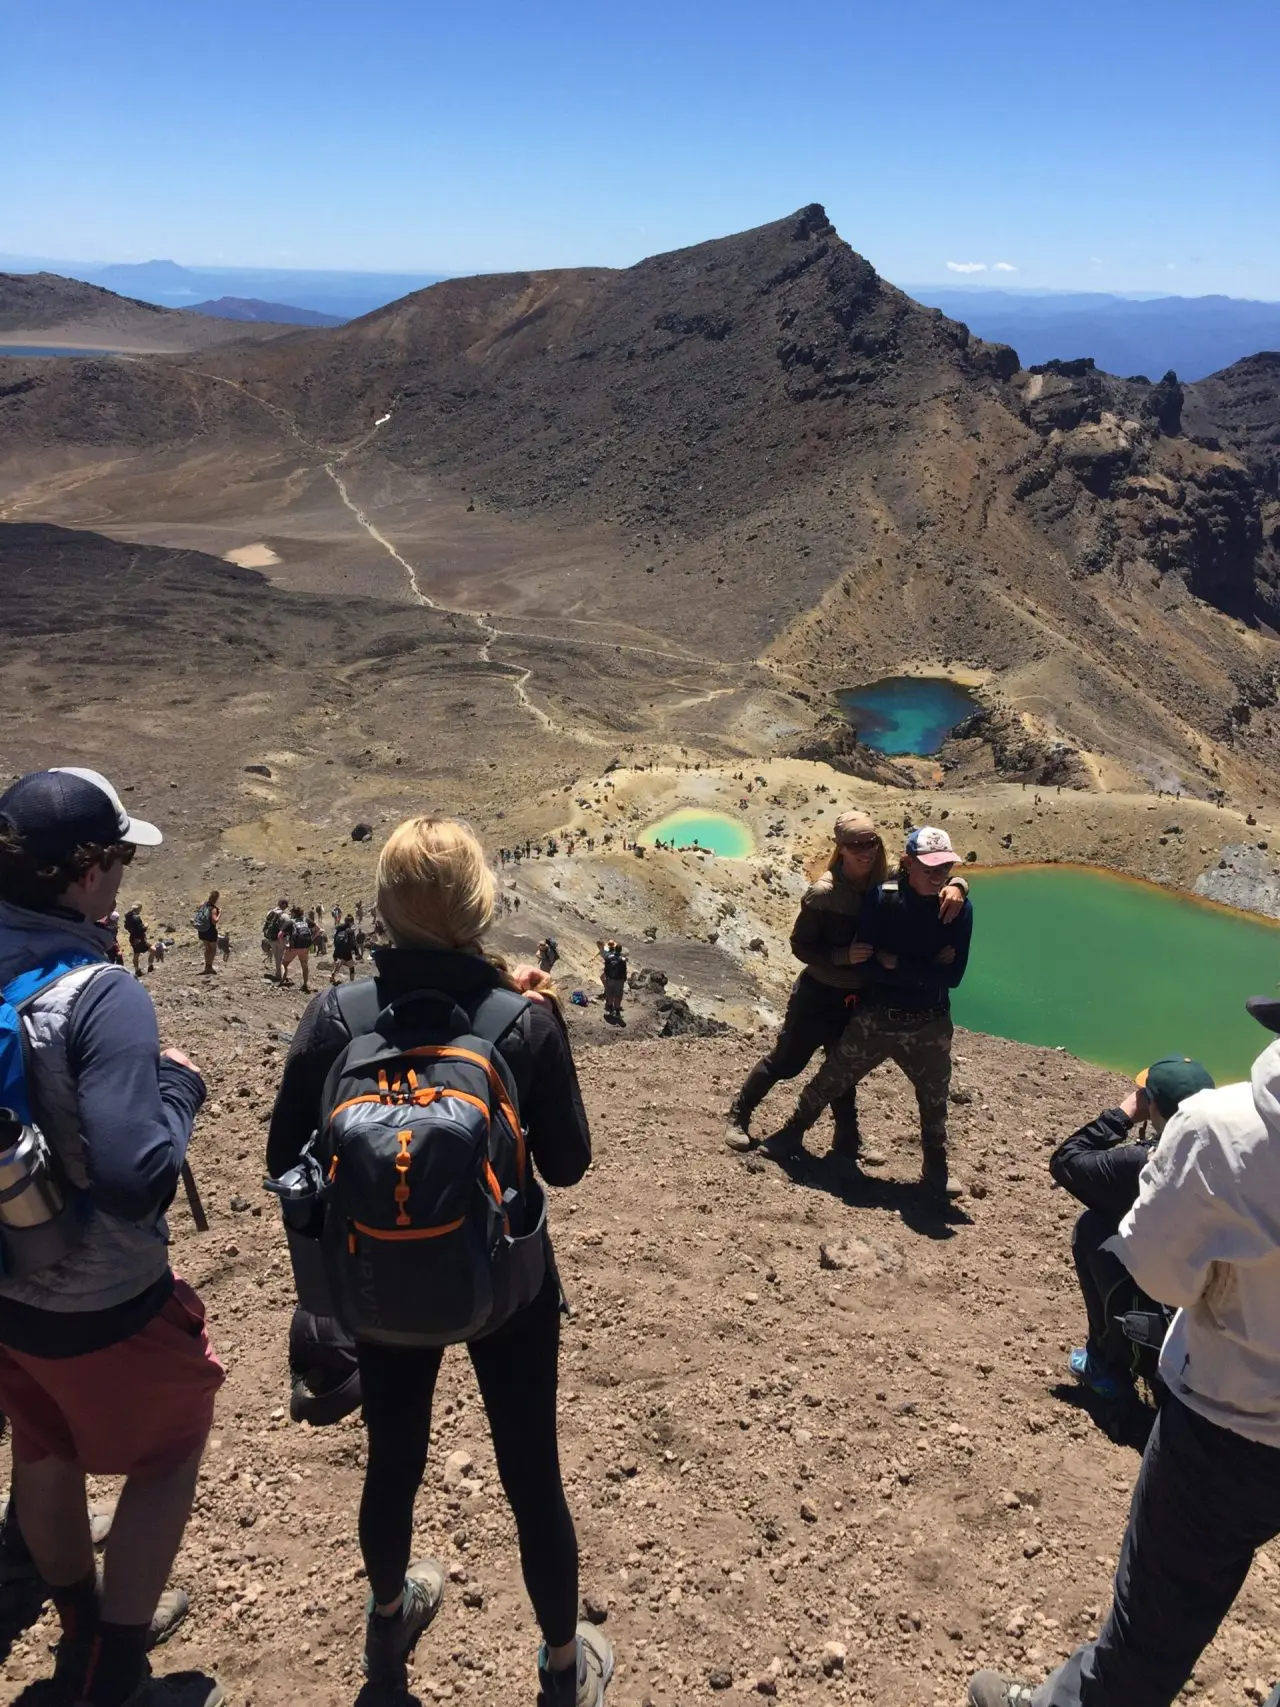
column 1095, row 260
column 1004, row 267
column 966, row 266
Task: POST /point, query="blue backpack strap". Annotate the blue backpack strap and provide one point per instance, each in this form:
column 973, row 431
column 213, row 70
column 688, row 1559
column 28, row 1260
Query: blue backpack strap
column 17, row 994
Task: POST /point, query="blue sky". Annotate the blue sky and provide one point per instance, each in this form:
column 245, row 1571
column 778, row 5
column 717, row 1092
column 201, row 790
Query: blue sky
column 1126, row 145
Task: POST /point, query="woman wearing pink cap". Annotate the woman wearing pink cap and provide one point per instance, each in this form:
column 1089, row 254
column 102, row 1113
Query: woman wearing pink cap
column 916, row 953
column 830, row 938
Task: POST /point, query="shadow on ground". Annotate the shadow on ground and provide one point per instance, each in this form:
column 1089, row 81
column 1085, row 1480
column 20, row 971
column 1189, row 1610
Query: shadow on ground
column 918, row 1211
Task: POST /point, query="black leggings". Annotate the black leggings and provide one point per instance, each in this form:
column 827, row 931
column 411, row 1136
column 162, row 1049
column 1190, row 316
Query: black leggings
column 516, row 1370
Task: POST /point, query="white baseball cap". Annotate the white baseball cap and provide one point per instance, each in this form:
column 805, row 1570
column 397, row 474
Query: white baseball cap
column 931, row 847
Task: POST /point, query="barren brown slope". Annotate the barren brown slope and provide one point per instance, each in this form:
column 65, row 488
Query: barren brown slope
column 47, row 309
column 763, row 1455
column 762, row 450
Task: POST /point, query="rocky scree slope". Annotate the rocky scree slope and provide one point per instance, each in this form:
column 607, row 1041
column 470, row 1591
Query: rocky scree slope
column 818, row 1446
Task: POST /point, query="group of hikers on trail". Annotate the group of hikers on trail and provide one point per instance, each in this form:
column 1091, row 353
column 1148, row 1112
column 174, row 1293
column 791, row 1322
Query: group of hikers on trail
column 419, row 1116
column 290, row 936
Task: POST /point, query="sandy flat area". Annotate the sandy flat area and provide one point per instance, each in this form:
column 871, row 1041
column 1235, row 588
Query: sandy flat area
column 257, row 556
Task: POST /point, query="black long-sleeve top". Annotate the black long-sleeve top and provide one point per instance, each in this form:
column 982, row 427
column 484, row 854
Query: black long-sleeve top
column 536, row 1049
column 1099, row 1168
column 908, row 926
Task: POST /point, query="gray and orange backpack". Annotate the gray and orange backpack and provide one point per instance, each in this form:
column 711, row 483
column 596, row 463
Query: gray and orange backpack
column 434, row 1226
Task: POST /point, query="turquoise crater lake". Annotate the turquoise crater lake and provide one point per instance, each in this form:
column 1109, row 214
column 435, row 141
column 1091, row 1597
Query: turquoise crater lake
column 691, row 827
column 906, row 714
column 1114, row 970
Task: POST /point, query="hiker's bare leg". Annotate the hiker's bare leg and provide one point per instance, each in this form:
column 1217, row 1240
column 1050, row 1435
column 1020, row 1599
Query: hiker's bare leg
column 144, row 1541
column 54, row 1521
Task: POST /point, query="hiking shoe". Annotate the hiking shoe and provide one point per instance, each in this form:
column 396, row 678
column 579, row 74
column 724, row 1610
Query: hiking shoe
column 101, row 1517
column 71, row 1653
column 737, row 1133
column 173, row 1608
column 582, row 1685
column 989, row 1689
column 178, row 1689
column 786, row 1144
column 935, row 1179
column 388, row 1642
column 1090, row 1372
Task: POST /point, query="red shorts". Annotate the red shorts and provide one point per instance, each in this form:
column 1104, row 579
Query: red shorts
column 142, row 1407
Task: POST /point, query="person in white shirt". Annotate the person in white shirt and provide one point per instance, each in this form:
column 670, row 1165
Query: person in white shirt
column 1204, row 1236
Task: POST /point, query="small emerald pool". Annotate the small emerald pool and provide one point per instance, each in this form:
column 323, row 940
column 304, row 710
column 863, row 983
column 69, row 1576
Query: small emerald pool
column 906, row 714
column 1114, row 970
column 691, row 827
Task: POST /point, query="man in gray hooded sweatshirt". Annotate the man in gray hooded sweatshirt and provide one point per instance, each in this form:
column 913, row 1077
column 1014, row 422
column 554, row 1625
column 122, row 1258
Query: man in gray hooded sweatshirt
column 1204, row 1236
column 105, row 1366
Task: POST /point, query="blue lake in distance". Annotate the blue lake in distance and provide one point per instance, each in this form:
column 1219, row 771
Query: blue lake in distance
column 51, row 350
column 906, row 714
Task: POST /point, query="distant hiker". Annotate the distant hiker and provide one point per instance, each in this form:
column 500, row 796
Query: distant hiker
column 273, row 936
column 297, row 938
column 492, row 1284
column 831, row 936
column 112, row 924
column 105, row 1367
column 613, row 975
column 359, row 912
column 319, row 939
column 344, row 950
column 139, row 941
column 1203, row 1238
column 336, row 914
column 224, row 946
column 904, row 1012
column 548, row 953
column 1101, row 1170
column 206, row 922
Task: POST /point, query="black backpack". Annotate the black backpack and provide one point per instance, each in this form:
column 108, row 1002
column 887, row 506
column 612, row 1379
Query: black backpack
column 434, row 1225
column 299, row 934
column 615, row 966
column 271, row 925
column 344, row 943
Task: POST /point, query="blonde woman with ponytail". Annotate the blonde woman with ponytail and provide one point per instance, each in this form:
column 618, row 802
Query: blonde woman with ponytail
column 436, row 895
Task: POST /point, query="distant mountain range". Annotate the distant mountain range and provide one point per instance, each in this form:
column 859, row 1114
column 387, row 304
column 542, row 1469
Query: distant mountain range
column 276, row 313
column 337, row 295
column 1193, row 335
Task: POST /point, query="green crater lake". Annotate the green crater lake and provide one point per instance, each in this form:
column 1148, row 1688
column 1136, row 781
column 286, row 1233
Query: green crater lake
column 715, row 831
column 1116, row 971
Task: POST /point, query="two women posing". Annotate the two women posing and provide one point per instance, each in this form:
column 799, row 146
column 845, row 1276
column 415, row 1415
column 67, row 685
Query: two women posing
column 881, row 960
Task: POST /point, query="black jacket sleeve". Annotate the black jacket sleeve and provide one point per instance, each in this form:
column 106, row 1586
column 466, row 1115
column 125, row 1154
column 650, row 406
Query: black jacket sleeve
column 1098, row 1168
column 551, row 1106
column 319, row 1040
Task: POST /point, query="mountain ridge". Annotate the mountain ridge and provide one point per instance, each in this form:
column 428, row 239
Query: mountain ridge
column 766, row 453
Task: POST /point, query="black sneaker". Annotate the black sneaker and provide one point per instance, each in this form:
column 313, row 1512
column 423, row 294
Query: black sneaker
column 388, row 1642
column 786, row 1144
column 935, row 1178
column 582, row 1685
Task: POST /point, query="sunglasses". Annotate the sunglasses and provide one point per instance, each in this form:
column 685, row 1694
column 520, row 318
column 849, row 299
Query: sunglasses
column 862, row 844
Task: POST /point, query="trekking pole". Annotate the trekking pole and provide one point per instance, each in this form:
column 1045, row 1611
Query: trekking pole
column 193, row 1199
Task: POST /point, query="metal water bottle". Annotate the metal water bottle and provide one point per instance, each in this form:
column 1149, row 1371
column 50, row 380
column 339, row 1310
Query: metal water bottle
column 301, row 1194
column 30, row 1194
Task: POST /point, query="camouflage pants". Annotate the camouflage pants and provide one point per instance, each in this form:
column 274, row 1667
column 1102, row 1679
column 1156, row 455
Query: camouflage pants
column 919, row 1044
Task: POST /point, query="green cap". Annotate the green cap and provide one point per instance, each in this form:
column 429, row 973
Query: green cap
column 1172, row 1079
